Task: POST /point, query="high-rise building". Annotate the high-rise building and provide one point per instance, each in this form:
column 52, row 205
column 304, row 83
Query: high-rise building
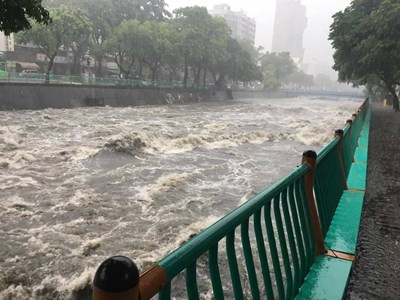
column 242, row 26
column 290, row 23
column 6, row 42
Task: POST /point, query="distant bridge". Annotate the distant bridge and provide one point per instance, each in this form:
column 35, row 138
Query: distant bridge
column 324, row 93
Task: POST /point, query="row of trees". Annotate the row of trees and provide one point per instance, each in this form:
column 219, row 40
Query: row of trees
column 146, row 40
column 142, row 36
column 366, row 39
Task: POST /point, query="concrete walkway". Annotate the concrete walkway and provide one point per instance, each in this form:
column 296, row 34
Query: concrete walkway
column 376, row 273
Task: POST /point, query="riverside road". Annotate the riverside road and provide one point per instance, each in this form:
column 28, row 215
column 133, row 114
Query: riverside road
column 377, row 268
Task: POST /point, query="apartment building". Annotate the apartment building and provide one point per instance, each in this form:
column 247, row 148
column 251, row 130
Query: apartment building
column 242, row 26
column 290, row 24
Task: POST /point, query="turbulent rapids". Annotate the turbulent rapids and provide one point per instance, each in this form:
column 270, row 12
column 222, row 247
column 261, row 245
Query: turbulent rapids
column 80, row 185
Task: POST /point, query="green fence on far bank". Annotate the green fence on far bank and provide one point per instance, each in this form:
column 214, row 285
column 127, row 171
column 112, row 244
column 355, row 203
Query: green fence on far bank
column 266, row 247
column 93, row 80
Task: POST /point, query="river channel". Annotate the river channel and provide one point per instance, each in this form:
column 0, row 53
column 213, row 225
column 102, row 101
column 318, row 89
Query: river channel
column 80, row 185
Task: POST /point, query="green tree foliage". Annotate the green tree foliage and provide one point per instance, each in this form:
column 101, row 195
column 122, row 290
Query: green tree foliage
column 144, row 40
column 299, row 79
column 65, row 25
column 145, row 43
column 275, row 67
column 366, row 39
column 157, row 44
column 193, row 25
column 141, row 10
column 15, row 15
column 208, row 47
column 123, row 44
column 323, row 81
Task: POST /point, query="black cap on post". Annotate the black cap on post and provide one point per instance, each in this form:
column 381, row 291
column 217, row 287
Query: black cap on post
column 310, row 154
column 117, row 275
column 339, row 132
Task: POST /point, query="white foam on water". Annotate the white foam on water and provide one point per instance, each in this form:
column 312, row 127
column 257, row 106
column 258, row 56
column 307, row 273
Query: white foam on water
column 66, row 204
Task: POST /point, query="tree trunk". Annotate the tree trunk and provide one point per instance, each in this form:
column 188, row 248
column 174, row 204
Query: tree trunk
column 220, row 81
column 204, row 77
column 185, row 77
column 153, row 73
column 49, row 68
column 140, row 69
column 99, row 66
column 395, row 98
column 395, row 102
column 198, row 76
column 215, row 77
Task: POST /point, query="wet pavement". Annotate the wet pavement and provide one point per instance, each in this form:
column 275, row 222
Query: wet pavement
column 376, row 273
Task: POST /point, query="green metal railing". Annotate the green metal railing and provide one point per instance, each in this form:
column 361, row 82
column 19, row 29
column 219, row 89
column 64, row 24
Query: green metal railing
column 328, row 183
column 266, row 247
column 289, row 241
column 91, row 80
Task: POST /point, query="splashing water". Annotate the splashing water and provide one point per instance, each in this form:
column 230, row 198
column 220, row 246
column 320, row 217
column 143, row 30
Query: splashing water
column 80, row 185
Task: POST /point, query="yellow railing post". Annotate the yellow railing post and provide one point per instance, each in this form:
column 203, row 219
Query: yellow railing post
column 310, row 158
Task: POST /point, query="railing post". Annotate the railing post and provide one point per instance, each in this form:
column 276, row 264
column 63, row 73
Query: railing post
column 152, row 281
column 310, row 158
column 117, row 278
column 339, row 133
column 349, row 122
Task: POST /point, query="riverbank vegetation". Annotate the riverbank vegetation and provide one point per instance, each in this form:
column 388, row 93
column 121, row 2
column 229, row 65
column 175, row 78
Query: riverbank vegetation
column 146, row 41
column 366, row 39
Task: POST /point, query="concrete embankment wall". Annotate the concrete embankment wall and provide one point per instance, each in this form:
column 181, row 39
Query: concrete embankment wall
column 40, row 96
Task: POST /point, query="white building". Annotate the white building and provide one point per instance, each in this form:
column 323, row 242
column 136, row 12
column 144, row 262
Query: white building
column 6, row 42
column 242, row 26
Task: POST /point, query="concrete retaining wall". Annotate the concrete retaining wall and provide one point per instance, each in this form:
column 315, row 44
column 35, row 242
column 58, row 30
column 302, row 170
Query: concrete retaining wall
column 39, row 96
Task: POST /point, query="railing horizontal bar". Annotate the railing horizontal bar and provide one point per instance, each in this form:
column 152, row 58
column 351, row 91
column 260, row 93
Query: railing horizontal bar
column 327, row 149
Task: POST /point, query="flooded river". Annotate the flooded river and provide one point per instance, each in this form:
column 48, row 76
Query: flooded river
column 80, row 185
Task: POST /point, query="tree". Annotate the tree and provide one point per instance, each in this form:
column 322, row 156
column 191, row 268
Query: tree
column 206, row 45
column 299, row 79
column 107, row 15
column 192, row 25
column 141, row 10
column 99, row 13
column 323, row 81
column 156, row 44
column 366, row 40
column 15, row 15
column 123, row 45
column 49, row 39
column 173, row 57
column 275, row 67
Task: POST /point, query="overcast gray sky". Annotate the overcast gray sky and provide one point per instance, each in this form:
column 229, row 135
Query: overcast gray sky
column 319, row 12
